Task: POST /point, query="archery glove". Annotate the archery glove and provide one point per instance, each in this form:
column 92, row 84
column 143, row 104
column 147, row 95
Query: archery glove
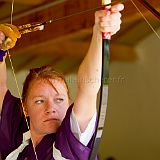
column 11, row 33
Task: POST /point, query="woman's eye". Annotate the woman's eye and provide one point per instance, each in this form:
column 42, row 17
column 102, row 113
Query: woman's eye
column 39, row 101
column 59, row 100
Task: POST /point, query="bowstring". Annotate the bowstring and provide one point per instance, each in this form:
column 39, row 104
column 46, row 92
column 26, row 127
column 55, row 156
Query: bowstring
column 15, row 79
column 149, row 24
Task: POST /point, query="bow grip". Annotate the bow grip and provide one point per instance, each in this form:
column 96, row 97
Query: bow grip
column 106, row 35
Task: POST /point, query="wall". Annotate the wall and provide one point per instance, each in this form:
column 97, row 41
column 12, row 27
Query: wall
column 132, row 129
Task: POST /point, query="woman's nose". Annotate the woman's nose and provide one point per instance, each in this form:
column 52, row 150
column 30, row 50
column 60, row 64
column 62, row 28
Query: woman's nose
column 50, row 108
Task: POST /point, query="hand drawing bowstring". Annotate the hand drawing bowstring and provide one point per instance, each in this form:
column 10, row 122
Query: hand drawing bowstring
column 58, row 19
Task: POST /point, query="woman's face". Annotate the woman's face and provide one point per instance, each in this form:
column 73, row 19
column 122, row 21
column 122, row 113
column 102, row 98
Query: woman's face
column 46, row 105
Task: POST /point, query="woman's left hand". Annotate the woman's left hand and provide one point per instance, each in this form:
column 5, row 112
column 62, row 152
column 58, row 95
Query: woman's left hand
column 109, row 20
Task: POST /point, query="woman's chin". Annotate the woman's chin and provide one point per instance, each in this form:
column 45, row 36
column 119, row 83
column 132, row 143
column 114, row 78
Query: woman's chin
column 52, row 129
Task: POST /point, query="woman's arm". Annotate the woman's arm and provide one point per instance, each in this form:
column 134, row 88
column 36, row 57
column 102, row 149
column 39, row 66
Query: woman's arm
column 89, row 74
column 3, row 74
column 3, row 83
column 8, row 37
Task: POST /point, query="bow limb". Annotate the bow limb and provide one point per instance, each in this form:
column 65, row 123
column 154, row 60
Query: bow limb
column 104, row 88
column 150, row 8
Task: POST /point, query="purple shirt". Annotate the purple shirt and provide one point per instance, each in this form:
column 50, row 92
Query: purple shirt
column 13, row 125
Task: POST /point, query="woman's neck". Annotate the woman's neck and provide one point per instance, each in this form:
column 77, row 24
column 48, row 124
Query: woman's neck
column 36, row 138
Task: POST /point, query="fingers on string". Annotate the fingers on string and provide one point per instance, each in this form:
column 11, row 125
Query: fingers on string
column 15, row 29
column 11, row 33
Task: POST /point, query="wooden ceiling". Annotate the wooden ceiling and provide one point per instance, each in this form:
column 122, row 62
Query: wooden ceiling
column 65, row 42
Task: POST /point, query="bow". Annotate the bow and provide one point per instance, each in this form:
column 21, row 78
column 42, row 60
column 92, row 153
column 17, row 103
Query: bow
column 104, row 88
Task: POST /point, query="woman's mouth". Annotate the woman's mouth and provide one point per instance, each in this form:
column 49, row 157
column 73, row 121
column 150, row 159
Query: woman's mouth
column 51, row 119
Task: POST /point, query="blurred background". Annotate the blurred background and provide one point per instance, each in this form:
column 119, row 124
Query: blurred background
column 132, row 128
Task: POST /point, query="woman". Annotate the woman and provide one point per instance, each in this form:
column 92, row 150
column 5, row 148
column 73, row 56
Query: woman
column 57, row 130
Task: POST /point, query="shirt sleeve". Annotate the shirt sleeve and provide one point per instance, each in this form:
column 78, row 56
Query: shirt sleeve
column 86, row 136
column 10, row 124
column 69, row 146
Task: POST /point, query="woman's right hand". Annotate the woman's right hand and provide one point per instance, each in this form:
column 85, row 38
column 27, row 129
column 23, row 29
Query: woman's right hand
column 8, row 36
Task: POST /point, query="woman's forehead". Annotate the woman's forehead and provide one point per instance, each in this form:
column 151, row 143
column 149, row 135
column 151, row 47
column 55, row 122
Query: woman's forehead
column 41, row 85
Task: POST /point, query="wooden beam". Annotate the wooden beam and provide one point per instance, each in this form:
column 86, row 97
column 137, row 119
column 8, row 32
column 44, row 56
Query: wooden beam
column 59, row 28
